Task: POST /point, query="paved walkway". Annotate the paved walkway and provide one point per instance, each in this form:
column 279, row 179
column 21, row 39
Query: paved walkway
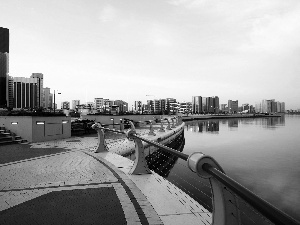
column 64, row 182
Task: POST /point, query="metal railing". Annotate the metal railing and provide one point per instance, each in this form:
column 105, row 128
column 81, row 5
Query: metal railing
column 226, row 192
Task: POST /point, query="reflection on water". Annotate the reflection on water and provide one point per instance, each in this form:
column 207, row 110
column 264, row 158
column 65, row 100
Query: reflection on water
column 212, row 126
column 272, row 123
column 207, row 126
column 262, row 154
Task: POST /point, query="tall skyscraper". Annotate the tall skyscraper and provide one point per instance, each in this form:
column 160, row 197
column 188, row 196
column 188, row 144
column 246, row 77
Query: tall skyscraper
column 138, row 106
column 39, row 77
column 4, row 68
column 196, row 104
column 47, row 98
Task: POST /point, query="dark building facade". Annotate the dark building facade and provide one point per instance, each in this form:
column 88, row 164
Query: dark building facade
column 4, row 51
column 25, row 93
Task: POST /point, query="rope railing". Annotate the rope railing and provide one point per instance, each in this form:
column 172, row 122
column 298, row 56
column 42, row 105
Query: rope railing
column 226, row 192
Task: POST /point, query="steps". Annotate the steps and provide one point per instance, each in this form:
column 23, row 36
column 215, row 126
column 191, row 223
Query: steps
column 7, row 137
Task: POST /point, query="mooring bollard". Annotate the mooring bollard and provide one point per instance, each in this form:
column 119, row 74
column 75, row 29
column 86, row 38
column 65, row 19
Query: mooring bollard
column 151, row 129
column 140, row 164
column 101, row 146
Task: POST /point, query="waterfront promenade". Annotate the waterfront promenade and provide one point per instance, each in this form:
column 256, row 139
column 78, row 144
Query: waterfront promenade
column 65, row 182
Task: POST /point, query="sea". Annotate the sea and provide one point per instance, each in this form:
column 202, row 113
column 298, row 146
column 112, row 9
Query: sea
column 262, row 154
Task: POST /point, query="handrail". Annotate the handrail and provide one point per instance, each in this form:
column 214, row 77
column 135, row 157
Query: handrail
column 170, row 150
column 224, row 210
column 265, row 208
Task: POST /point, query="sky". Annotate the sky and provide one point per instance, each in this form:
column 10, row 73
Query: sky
column 128, row 49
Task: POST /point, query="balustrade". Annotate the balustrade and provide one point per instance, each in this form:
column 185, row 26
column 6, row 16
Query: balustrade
column 227, row 194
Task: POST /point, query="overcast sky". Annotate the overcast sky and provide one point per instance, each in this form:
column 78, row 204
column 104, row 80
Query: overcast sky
column 127, row 49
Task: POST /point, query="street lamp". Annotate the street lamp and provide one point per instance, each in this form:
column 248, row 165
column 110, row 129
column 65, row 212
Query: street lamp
column 54, row 100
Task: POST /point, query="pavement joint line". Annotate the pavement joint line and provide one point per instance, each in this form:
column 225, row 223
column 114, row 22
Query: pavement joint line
column 35, row 158
column 134, row 201
column 56, row 186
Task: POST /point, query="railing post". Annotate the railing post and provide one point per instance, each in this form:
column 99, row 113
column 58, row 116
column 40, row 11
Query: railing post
column 173, row 123
column 101, row 146
column 151, row 129
column 169, row 126
column 162, row 129
column 140, row 165
column 179, row 120
column 225, row 210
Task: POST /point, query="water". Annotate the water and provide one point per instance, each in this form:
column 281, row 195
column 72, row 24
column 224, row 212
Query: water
column 262, row 154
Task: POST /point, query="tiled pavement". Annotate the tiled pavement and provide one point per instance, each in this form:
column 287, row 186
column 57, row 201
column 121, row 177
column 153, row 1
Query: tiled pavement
column 73, row 185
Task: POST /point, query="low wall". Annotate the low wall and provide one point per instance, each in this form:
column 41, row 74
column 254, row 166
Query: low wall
column 107, row 119
column 36, row 129
column 163, row 138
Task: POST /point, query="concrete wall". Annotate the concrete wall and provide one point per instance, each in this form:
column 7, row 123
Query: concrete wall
column 23, row 128
column 52, row 129
column 36, row 129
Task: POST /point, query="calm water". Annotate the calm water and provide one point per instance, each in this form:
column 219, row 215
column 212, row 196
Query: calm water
column 262, row 154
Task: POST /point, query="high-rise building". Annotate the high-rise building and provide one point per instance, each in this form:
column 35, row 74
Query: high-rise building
column 75, row 103
column 98, row 103
column 25, row 92
column 216, row 104
column 4, row 67
column 270, row 106
column 210, row 105
column 4, row 40
column 47, row 98
column 10, row 92
column 196, row 104
column 233, row 106
column 39, row 77
column 170, row 104
column 138, row 106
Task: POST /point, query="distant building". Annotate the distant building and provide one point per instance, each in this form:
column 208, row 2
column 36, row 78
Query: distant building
column 258, row 108
column 40, row 83
column 270, row 106
column 233, row 106
column 65, row 105
column 47, row 98
column 196, row 104
column 170, row 104
column 223, row 107
column 122, row 105
column 210, row 104
column 246, row 107
column 90, row 105
column 98, row 103
column 138, row 106
column 25, row 92
column 75, row 103
column 10, row 92
column 185, row 107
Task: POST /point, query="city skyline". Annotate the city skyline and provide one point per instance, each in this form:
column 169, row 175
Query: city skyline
column 179, row 49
